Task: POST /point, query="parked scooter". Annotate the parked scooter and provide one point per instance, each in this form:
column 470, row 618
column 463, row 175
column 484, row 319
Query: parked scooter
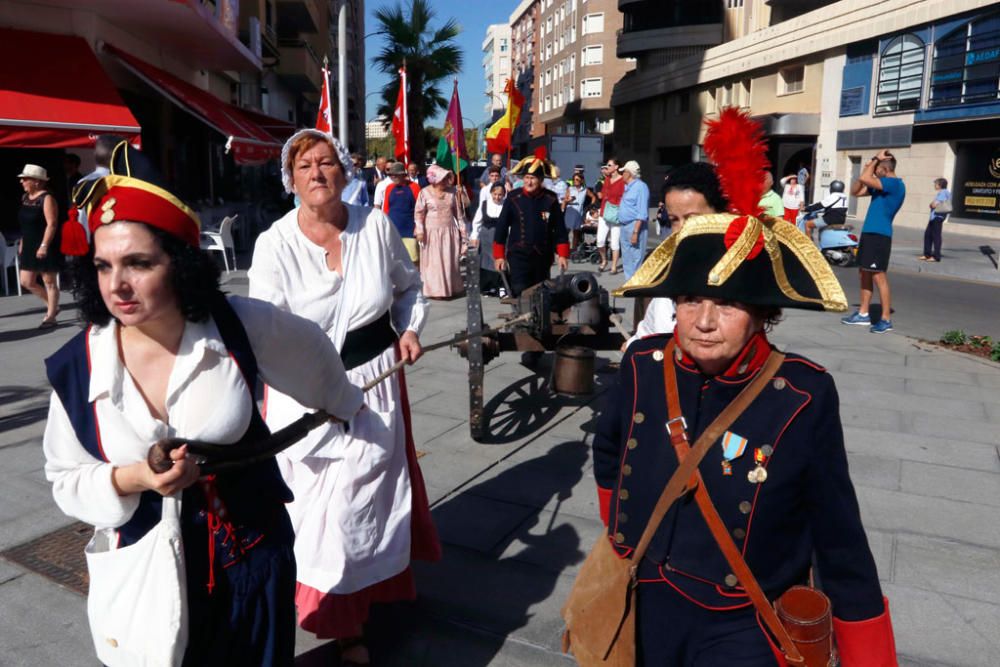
column 836, row 242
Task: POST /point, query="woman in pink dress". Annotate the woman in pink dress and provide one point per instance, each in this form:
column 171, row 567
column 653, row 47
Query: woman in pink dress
column 440, row 231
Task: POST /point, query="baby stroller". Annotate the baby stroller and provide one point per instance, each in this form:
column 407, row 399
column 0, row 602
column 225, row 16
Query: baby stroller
column 586, row 250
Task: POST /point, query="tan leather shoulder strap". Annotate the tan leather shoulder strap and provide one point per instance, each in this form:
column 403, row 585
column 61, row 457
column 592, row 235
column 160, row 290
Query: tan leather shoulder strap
column 707, row 507
column 676, row 427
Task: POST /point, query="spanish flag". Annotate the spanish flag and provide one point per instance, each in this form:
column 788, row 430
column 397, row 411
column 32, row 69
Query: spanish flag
column 498, row 137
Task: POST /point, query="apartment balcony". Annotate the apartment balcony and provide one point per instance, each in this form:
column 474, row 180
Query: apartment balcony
column 295, row 16
column 636, row 42
column 200, row 34
column 299, row 67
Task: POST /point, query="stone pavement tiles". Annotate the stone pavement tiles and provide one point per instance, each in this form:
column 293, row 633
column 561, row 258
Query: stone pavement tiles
column 518, row 513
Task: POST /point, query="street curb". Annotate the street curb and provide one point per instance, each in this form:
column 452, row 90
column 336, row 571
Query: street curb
column 931, row 346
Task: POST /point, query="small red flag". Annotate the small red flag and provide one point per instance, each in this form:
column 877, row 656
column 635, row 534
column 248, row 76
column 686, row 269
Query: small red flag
column 324, row 119
column 400, row 122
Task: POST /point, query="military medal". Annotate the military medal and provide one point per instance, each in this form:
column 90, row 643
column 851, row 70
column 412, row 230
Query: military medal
column 733, row 446
column 759, row 474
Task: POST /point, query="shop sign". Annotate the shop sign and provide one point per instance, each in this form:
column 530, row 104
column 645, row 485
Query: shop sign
column 852, row 101
column 977, row 181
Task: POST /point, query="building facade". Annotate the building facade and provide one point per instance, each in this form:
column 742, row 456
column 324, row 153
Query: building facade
column 831, row 82
column 577, row 66
column 496, row 68
column 524, row 58
column 356, row 130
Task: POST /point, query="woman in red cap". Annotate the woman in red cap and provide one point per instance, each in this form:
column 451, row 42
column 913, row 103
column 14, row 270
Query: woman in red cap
column 166, row 354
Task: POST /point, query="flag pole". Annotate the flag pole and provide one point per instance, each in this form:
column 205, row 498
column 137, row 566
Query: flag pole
column 457, row 159
column 406, row 118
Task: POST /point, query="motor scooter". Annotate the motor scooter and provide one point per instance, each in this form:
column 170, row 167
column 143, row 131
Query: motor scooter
column 837, row 243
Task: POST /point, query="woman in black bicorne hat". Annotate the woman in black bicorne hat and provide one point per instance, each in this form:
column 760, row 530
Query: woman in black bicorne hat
column 778, row 477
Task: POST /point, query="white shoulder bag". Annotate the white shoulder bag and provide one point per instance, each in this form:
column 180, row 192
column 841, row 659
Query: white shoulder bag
column 137, row 604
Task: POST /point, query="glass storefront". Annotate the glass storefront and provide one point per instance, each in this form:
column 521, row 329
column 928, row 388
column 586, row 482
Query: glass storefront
column 976, row 190
column 966, row 64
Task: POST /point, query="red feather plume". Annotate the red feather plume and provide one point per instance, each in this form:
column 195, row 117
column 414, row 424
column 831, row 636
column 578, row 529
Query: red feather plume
column 735, row 145
column 541, row 153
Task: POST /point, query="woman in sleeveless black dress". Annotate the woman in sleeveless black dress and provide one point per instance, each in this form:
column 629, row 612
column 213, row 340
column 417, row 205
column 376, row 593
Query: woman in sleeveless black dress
column 39, row 248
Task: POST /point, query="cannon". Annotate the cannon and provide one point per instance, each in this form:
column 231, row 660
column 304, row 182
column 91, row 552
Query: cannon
column 544, row 317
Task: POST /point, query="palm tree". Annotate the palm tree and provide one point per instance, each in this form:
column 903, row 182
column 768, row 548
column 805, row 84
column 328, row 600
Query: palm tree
column 430, row 56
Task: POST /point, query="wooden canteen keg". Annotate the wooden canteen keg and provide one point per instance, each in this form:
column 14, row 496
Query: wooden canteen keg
column 573, row 372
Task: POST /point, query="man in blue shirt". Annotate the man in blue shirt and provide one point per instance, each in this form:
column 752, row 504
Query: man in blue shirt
column 633, row 216
column 879, row 181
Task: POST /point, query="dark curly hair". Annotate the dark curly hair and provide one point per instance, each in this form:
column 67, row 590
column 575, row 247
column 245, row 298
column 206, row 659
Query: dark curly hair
column 194, row 275
column 700, row 177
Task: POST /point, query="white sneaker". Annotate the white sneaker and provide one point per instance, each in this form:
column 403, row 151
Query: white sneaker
column 503, row 292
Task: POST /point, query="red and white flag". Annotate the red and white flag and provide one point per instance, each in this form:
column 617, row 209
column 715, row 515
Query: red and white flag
column 324, row 119
column 400, row 122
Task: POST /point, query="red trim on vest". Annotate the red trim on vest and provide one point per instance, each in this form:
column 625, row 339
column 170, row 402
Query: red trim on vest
column 93, row 405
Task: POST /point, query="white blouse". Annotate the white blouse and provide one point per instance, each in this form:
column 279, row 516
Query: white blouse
column 291, row 272
column 207, row 399
column 659, row 319
column 492, row 209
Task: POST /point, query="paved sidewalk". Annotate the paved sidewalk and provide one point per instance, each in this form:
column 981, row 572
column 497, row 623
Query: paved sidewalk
column 517, row 515
column 962, row 256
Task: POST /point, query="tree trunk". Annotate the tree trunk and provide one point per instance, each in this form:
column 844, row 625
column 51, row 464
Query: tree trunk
column 415, row 109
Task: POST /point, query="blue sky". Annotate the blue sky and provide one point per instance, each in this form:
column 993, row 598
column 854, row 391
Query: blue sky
column 473, row 16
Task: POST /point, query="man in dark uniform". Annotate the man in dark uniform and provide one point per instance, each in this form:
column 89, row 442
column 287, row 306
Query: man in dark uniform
column 530, row 229
column 778, row 476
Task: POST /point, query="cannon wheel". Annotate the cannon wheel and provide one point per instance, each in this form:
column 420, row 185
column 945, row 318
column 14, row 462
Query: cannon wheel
column 477, row 429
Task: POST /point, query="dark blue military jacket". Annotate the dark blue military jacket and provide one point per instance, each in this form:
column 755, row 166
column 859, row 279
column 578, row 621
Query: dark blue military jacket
column 531, row 225
column 806, row 505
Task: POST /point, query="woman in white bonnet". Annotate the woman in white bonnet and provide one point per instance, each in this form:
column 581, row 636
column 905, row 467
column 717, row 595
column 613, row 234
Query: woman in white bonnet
column 360, row 511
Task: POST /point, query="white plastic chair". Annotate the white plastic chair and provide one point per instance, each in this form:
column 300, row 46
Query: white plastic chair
column 222, row 240
column 8, row 253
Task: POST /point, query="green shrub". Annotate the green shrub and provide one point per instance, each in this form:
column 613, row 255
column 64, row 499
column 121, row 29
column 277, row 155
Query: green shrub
column 981, row 341
column 995, row 352
column 956, row 337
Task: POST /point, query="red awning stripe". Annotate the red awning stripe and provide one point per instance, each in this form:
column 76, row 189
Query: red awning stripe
column 248, row 142
column 63, row 99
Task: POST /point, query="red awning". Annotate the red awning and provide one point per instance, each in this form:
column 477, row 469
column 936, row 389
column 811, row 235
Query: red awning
column 246, row 140
column 280, row 129
column 55, row 94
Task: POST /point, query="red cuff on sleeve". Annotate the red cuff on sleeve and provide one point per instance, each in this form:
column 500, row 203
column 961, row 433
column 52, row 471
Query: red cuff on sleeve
column 867, row 643
column 499, row 251
column 562, row 249
column 604, row 503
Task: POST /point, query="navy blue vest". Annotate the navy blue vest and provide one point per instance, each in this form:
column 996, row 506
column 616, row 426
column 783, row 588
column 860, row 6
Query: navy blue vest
column 251, row 494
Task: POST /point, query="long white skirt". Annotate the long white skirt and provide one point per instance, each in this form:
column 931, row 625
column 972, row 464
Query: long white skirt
column 352, row 506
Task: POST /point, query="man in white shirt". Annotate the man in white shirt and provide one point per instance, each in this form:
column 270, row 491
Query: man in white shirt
column 382, row 185
column 689, row 190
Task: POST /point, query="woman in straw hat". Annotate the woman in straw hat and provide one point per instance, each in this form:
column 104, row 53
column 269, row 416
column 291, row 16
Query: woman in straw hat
column 360, row 511
column 166, row 354
column 39, row 246
column 777, row 476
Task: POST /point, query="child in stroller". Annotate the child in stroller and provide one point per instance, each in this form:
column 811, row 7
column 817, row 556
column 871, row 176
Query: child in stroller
column 586, row 250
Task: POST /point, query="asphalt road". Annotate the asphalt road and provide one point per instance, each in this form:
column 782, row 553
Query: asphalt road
column 926, row 306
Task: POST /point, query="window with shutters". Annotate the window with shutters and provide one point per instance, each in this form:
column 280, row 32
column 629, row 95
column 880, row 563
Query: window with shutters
column 593, row 23
column 901, row 75
column 590, row 87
